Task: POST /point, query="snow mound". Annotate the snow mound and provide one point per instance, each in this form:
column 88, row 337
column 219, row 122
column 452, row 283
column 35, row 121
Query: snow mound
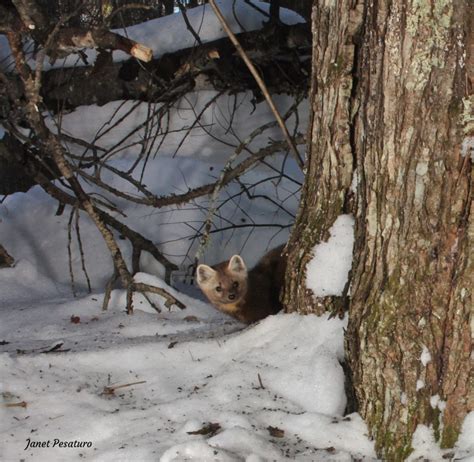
column 176, row 372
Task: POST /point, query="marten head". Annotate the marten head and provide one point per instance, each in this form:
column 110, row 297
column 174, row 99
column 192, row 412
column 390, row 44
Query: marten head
column 224, row 284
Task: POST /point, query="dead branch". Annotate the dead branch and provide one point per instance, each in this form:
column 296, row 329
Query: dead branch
column 31, row 15
column 71, row 40
column 23, row 404
column 31, row 165
column 81, row 252
column 69, row 250
column 108, row 290
column 170, row 300
column 213, row 66
column 110, row 390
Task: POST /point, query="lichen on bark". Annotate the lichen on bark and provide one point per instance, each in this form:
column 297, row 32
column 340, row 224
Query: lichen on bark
column 413, row 260
column 389, row 89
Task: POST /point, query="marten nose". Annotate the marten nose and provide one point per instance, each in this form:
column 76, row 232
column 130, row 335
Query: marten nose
column 231, row 296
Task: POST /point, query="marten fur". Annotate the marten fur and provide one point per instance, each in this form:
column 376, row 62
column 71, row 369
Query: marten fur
column 246, row 295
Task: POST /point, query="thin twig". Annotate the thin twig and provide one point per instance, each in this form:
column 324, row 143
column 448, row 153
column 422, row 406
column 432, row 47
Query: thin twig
column 108, row 290
column 130, row 6
column 259, row 81
column 81, row 252
column 110, row 390
column 20, row 404
column 182, row 8
column 69, row 251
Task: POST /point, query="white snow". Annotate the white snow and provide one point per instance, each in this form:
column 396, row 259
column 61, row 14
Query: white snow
column 108, row 128
column 199, row 367
column 467, row 148
column 425, row 357
column 465, row 444
column 434, row 400
column 327, row 272
column 420, row 384
column 355, row 181
column 425, row 446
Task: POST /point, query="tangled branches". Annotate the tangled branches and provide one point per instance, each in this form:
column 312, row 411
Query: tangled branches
column 104, row 174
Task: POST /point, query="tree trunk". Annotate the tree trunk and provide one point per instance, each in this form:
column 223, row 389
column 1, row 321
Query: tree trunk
column 326, row 191
column 409, row 336
column 408, row 126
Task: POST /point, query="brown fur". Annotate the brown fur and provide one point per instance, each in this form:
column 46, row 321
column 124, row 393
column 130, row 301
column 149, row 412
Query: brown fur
column 257, row 294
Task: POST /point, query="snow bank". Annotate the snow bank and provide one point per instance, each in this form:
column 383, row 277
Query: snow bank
column 24, row 282
column 282, row 372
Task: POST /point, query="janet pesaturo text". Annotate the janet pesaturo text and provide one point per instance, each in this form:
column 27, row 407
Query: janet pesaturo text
column 57, row 443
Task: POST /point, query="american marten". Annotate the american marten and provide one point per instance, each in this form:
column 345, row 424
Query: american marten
column 246, row 295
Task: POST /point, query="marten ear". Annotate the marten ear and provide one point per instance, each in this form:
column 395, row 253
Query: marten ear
column 237, row 265
column 204, row 274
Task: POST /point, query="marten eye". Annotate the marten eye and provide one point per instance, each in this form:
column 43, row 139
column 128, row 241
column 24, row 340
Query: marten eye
column 235, row 285
column 218, row 289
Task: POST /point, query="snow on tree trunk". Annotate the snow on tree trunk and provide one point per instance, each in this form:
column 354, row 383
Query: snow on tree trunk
column 326, row 191
column 395, row 107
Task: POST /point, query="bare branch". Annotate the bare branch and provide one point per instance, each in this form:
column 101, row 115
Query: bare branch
column 170, row 300
column 53, row 146
column 70, row 40
column 259, row 80
column 31, row 15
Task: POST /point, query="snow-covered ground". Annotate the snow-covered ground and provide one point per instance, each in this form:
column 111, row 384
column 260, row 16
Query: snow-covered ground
column 178, row 385
column 272, row 390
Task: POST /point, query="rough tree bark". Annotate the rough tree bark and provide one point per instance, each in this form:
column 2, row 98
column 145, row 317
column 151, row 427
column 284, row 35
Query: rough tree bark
column 400, row 112
column 413, row 268
column 329, row 168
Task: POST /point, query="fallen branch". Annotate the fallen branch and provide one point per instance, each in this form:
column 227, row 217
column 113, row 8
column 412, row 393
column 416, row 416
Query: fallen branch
column 70, row 40
column 170, row 300
column 20, row 404
column 174, row 74
column 111, row 390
